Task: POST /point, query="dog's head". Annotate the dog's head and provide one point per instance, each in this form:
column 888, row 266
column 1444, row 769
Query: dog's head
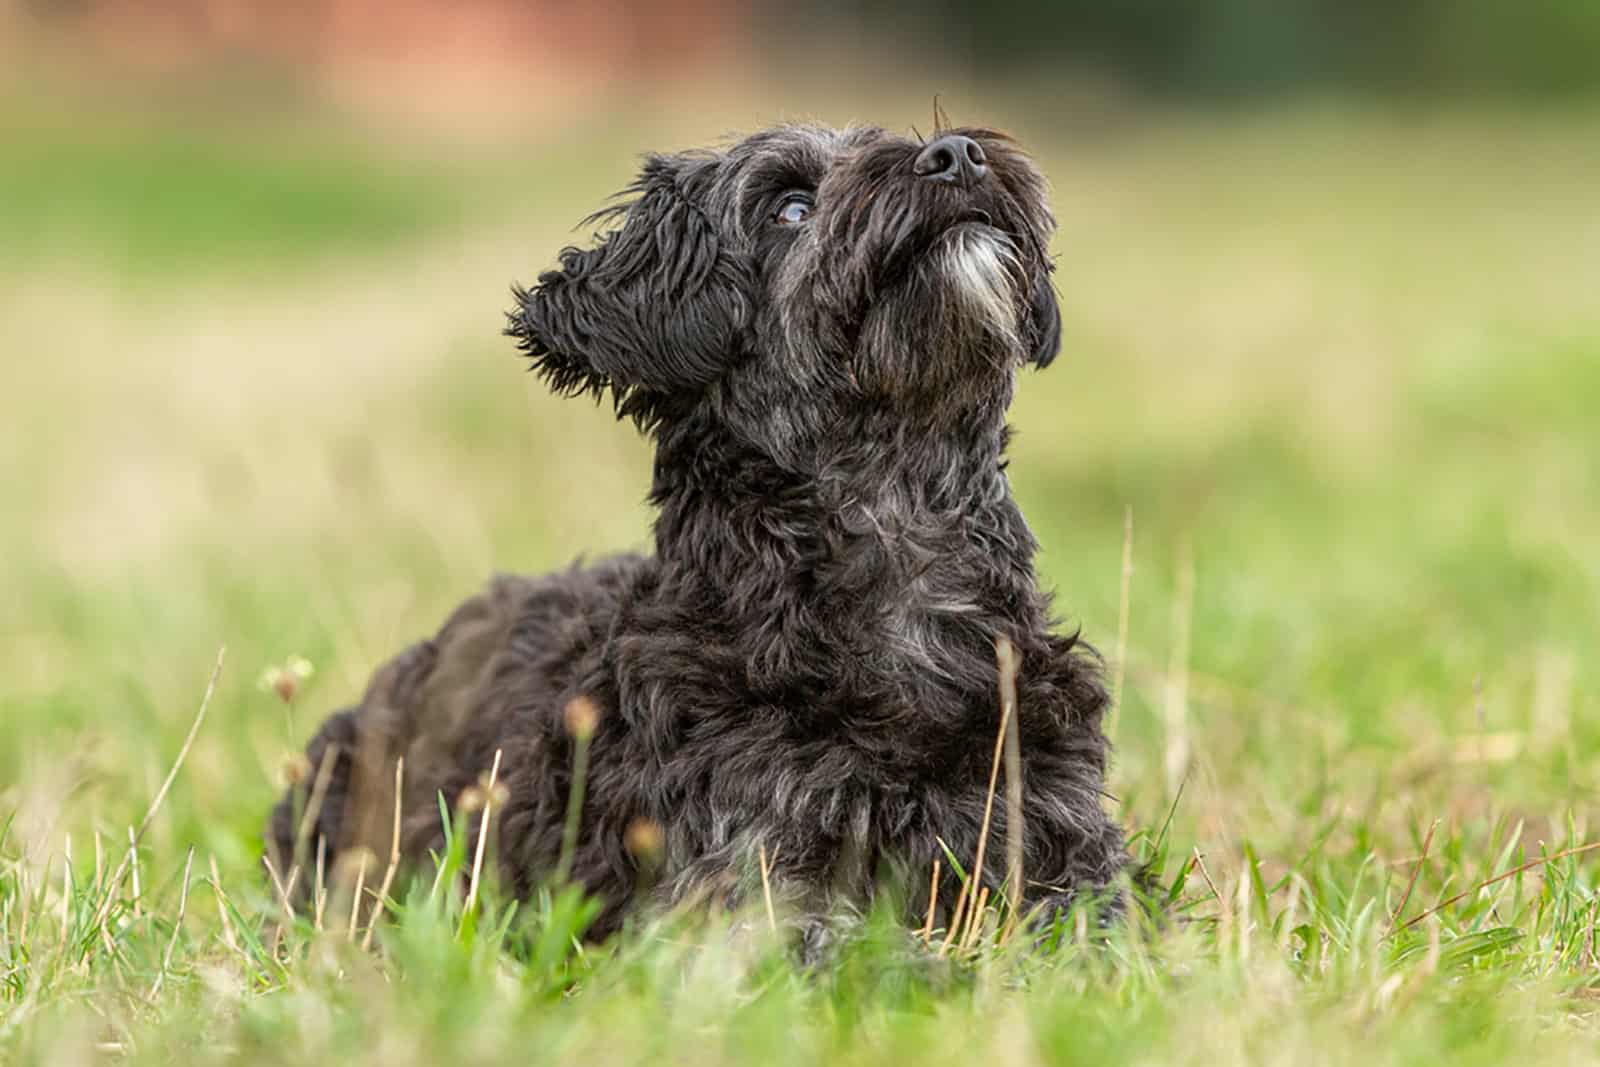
column 802, row 273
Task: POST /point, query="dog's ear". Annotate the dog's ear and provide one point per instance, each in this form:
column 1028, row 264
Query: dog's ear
column 1046, row 321
column 658, row 307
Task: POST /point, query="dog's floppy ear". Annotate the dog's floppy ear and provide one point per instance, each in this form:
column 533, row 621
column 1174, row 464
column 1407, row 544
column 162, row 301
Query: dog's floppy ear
column 657, row 307
column 1046, row 321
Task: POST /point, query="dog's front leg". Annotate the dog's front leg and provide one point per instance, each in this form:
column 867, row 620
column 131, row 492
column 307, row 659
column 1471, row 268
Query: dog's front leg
column 804, row 891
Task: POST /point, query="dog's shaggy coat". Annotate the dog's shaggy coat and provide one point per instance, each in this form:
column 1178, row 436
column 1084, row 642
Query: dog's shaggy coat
column 821, row 330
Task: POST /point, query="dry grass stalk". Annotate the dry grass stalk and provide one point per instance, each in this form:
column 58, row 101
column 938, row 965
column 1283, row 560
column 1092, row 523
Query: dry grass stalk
column 933, row 901
column 1124, row 607
column 177, row 927
column 100, row 887
column 25, row 894
column 130, row 859
column 1003, row 649
column 66, row 888
column 956, row 916
column 188, row 743
column 980, row 910
column 1200, row 862
column 1291, row 911
column 1588, row 952
column 1576, row 850
column 319, row 797
column 133, row 863
column 483, row 834
column 283, row 889
column 1006, row 657
column 1416, row 872
column 394, row 856
column 1242, row 910
column 1177, row 697
column 222, row 907
column 766, row 887
column 355, row 898
column 319, row 890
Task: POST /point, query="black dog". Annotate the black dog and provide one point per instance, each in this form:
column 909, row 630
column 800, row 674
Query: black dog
column 821, row 330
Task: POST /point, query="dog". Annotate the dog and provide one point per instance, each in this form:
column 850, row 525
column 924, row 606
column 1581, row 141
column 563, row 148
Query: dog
column 821, row 330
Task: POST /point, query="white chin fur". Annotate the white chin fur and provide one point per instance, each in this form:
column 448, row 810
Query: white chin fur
column 983, row 266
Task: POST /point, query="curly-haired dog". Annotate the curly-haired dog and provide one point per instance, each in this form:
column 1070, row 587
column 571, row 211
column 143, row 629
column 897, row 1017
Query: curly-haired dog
column 821, row 330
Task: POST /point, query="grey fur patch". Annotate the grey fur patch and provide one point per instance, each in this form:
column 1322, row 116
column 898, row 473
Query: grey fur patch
column 984, row 269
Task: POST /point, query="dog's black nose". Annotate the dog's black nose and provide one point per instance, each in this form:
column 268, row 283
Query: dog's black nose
column 952, row 158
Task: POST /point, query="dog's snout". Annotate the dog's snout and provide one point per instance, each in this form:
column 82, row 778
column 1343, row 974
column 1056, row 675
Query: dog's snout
column 952, row 158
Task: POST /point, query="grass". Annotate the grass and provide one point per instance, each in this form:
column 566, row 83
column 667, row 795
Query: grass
column 1338, row 367
column 185, row 201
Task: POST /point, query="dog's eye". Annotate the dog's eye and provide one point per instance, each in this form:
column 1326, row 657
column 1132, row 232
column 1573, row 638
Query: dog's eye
column 793, row 208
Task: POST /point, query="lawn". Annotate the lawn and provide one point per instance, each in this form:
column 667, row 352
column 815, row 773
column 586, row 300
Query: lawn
column 1329, row 381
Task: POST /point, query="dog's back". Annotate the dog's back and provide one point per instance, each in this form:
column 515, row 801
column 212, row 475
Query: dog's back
column 517, row 651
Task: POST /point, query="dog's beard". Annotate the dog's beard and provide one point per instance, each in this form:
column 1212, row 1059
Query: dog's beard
column 983, row 270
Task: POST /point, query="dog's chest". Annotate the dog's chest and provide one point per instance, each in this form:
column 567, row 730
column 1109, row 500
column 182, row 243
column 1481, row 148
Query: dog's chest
column 932, row 590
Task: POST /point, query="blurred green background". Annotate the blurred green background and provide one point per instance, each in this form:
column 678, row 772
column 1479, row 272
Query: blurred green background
column 1420, row 48
column 1328, row 273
